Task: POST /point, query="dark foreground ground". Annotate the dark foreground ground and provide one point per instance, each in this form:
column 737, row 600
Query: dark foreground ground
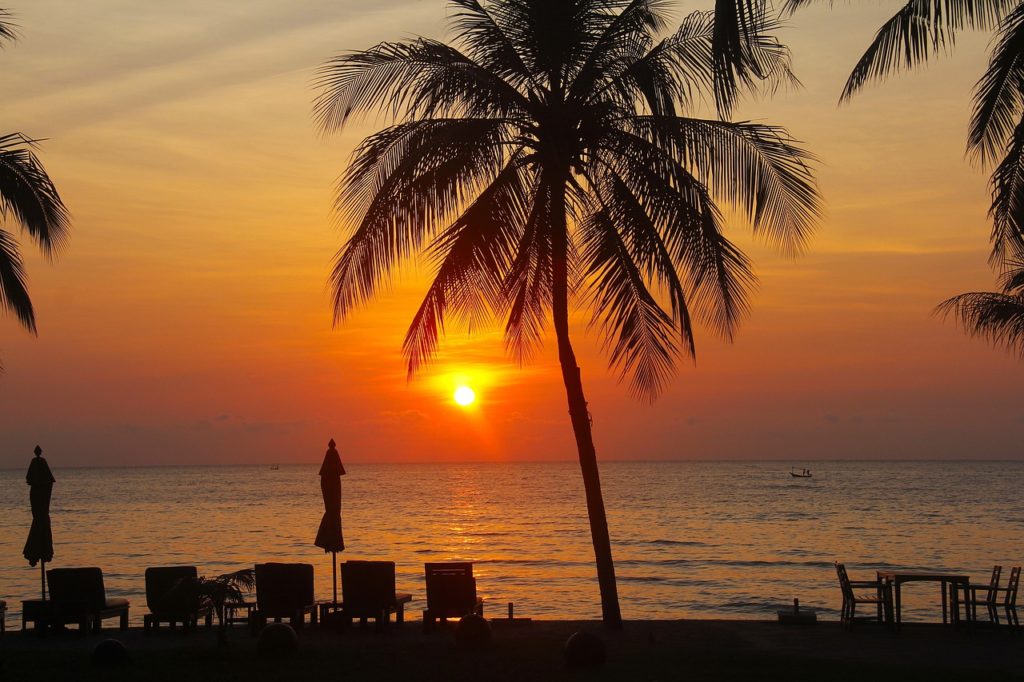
column 645, row 650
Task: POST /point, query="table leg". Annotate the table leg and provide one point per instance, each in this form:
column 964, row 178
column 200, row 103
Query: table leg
column 944, row 600
column 899, row 614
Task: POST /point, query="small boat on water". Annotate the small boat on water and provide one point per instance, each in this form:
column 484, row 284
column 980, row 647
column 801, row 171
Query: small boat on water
column 803, row 473
column 274, row 467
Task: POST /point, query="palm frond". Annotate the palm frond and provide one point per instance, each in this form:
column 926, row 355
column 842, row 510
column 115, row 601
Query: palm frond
column 759, row 168
column 488, row 44
column 999, row 95
column 417, row 79
column 527, row 285
column 1007, row 210
column 995, row 317
column 8, row 29
column 919, row 30
column 472, row 254
column 639, row 335
column 739, row 27
column 402, row 183
column 28, row 194
column 13, row 288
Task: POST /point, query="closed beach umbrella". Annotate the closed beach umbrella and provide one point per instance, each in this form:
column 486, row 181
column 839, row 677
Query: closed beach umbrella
column 39, row 546
column 329, row 536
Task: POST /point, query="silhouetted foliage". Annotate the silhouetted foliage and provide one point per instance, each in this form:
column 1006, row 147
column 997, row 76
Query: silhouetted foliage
column 28, row 196
column 214, row 593
column 916, row 33
column 553, row 149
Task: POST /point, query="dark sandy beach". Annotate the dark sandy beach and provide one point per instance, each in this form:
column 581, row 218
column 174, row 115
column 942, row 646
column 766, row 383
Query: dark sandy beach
column 645, row 650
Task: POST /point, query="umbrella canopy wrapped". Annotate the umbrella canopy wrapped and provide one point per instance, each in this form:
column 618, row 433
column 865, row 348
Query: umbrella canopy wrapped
column 39, row 546
column 329, row 536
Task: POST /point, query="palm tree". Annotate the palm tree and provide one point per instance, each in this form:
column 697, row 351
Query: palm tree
column 995, row 316
column 918, row 31
column 545, row 156
column 29, row 197
column 214, row 593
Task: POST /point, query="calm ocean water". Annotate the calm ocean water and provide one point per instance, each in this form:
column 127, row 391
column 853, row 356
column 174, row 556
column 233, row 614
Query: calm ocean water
column 691, row 539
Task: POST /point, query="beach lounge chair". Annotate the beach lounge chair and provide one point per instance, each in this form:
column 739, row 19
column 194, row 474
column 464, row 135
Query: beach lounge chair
column 451, row 592
column 170, row 599
column 878, row 598
column 368, row 591
column 78, row 596
column 984, row 597
column 284, row 591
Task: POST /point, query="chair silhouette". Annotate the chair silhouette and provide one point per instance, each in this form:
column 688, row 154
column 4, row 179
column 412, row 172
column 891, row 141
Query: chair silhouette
column 172, row 598
column 78, row 596
column 368, row 591
column 451, row 592
column 284, row 591
column 987, row 600
column 848, row 613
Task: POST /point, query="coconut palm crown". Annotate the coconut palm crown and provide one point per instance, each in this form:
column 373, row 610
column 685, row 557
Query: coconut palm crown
column 29, row 198
column 552, row 153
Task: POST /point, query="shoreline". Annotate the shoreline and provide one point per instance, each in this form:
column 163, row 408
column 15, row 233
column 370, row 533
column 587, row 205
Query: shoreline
column 644, row 650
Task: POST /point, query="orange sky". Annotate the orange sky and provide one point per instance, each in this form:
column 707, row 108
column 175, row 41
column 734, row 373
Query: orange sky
column 188, row 320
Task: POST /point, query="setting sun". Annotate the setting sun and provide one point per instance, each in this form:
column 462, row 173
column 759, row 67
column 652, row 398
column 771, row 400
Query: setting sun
column 464, row 395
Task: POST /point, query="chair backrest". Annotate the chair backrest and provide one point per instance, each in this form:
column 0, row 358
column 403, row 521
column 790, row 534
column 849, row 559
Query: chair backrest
column 282, row 589
column 844, row 581
column 167, row 590
column 451, row 588
column 77, row 591
column 367, row 587
column 1011, row 587
column 993, row 583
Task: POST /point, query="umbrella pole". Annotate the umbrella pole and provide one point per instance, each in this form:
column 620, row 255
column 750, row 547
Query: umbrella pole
column 334, row 573
column 42, row 577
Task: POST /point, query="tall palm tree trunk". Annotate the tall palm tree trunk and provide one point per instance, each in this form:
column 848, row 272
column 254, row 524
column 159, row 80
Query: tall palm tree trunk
column 579, row 414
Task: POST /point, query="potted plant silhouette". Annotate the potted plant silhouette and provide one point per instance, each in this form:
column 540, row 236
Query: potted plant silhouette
column 214, row 593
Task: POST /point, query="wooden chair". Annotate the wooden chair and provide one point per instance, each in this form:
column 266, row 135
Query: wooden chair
column 1010, row 599
column 848, row 613
column 987, row 598
column 284, row 591
column 3, row 617
column 451, row 593
column 78, row 596
column 368, row 591
column 170, row 599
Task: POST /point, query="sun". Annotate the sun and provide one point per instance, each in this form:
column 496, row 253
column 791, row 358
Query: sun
column 464, row 396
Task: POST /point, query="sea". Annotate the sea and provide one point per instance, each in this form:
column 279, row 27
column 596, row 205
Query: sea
column 735, row 539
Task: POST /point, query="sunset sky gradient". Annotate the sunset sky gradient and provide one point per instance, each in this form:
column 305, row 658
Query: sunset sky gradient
column 188, row 320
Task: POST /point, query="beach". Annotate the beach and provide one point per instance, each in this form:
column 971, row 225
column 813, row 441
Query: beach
column 644, row 650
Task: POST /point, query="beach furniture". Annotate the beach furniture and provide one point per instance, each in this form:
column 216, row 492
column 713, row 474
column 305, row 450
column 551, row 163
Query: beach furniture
column 170, row 599
column 451, row 592
column 994, row 598
column 3, row 616
column 953, row 588
column 368, row 591
column 984, row 597
column 877, row 598
column 77, row 596
column 284, row 591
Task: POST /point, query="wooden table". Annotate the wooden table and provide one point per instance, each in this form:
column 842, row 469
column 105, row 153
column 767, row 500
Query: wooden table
column 37, row 612
column 231, row 616
column 951, row 584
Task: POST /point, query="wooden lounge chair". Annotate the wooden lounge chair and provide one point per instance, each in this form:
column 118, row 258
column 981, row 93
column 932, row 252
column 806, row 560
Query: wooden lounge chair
column 78, row 596
column 451, row 592
column 986, row 599
column 284, row 591
column 171, row 598
column 879, row 598
column 368, row 591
